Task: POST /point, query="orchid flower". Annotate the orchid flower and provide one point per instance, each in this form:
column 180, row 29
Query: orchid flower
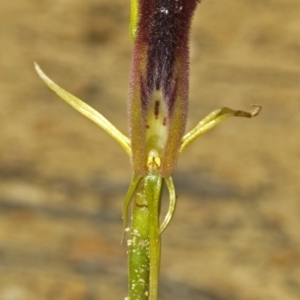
column 157, row 115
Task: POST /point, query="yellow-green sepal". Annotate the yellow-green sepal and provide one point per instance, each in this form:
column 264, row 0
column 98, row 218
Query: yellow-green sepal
column 134, row 16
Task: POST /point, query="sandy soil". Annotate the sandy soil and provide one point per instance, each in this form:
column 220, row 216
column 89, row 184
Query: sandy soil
column 236, row 234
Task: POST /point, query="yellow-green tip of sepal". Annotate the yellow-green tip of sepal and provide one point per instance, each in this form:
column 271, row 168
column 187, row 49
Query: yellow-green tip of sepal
column 134, row 17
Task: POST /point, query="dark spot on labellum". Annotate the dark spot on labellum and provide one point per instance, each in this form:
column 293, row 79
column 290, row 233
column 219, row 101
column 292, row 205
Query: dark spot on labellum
column 165, row 121
column 156, row 109
column 147, row 126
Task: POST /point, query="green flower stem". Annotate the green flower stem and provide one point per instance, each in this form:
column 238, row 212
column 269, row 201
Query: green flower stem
column 153, row 187
column 144, row 242
column 138, row 247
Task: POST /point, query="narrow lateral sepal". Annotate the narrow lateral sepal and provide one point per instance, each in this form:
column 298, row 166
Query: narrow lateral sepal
column 213, row 119
column 86, row 110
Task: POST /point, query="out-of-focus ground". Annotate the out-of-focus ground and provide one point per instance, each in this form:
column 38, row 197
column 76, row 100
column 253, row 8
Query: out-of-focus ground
column 236, row 233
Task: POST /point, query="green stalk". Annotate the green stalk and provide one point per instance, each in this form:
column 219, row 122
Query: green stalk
column 138, row 244
column 144, row 241
column 153, row 187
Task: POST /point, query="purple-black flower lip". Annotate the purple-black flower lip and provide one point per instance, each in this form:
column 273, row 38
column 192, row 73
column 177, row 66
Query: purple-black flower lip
column 159, row 81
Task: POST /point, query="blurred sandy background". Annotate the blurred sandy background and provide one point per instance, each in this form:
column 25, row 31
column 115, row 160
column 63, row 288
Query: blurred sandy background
column 236, row 234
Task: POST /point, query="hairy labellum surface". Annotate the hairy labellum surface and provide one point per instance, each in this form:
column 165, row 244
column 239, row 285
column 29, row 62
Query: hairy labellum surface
column 159, row 82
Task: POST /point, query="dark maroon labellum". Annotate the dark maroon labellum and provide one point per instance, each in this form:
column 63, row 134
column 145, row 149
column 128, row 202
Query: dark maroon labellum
column 160, row 75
